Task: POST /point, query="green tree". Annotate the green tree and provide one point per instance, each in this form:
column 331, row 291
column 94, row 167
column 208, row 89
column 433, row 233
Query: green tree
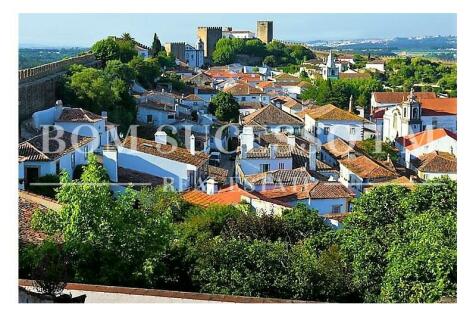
column 156, row 46
column 225, row 107
column 107, row 237
column 147, row 70
column 117, row 69
column 422, row 263
column 106, row 49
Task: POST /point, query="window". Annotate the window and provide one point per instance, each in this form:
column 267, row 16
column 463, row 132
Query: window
column 171, row 116
column 243, row 98
column 191, row 178
column 326, row 130
column 57, row 167
column 434, row 123
column 405, row 112
column 281, row 166
column 336, row 209
column 282, row 129
column 352, row 131
column 264, row 168
column 86, row 150
column 415, row 113
column 73, row 160
column 254, row 98
column 149, row 118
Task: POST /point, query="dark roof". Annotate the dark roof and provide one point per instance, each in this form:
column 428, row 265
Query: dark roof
column 296, row 176
column 436, row 162
column 218, row 174
column 282, row 151
column 129, row 176
column 271, row 115
column 313, row 190
column 78, row 115
column 34, row 149
column 157, row 106
column 167, row 151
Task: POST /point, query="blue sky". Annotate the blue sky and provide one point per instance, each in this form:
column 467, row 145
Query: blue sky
column 84, row 29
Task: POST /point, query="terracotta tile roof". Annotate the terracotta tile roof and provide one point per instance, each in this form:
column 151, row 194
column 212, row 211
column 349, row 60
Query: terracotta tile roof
column 219, row 73
column 266, row 139
column 354, row 75
column 282, row 151
column 378, row 113
column 265, row 84
column 338, row 148
column 32, row 149
column 282, row 177
column 301, row 159
column 365, row 167
column 330, row 112
column 281, row 99
column 242, row 89
column 129, row 176
column 284, row 77
column 249, row 77
column 271, row 115
column 436, row 162
column 398, row 97
column 315, row 190
column 167, row 151
column 218, row 174
column 251, row 105
column 26, row 209
column 78, row 115
column 402, row 180
column 292, row 103
column 438, row 106
column 230, row 195
column 193, row 97
column 419, row 139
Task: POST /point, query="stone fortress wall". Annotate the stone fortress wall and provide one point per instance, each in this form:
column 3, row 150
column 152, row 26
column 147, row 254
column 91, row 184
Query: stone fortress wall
column 37, row 86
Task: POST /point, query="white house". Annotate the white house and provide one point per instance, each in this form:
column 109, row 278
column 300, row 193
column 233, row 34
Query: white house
column 402, row 120
column 376, row 65
column 182, row 168
column 329, row 122
column 194, row 56
column 142, row 50
column 273, row 119
column 439, row 113
column 78, row 121
column 205, row 92
column 194, row 102
column 361, row 172
column 155, row 113
column 435, row 164
column 50, row 152
column 330, row 70
column 414, row 145
column 334, row 151
column 325, row 197
column 243, row 92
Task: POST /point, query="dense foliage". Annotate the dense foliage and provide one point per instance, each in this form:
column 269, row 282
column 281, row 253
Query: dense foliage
column 224, row 107
column 403, row 73
column 338, row 92
column 271, row 54
column 32, row 57
column 398, row 244
column 379, row 150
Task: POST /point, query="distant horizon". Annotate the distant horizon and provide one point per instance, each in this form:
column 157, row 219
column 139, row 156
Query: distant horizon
column 82, row 30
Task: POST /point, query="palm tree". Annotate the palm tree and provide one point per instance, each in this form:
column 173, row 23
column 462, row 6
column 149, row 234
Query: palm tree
column 127, row 37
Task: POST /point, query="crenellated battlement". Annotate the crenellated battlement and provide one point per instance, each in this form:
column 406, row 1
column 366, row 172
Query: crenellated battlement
column 55, row 67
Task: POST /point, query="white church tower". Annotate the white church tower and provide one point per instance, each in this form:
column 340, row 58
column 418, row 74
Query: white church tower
column 330, row 71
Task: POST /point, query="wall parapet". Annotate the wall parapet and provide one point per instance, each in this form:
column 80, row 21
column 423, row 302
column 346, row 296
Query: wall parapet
column 54, row 67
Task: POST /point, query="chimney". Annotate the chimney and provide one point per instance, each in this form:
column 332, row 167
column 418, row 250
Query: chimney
column 163, row 90
column 291, row 140
column 243, row 150
column 247, row 137
column 160, row 137
column 58, row 109
column 273, row 148
column 104, row 116
column 212, row 186
column 192, row 144
column 312, row 157
column 388, row 158
column 109, row 162
column 350, row 103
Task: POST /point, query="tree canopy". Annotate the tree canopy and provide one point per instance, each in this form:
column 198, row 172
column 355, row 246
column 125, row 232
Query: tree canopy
column 224, row 107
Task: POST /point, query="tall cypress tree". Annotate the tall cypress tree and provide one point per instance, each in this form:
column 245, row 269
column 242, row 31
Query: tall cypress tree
column 156, row 45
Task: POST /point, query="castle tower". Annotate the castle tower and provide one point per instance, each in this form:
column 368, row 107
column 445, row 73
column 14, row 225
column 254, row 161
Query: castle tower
column 209, row 37
column 264, row 31
column 176, row 48
column 199, row 45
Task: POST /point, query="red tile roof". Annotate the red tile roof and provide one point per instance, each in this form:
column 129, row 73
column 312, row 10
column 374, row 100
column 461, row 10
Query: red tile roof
column 242, row 89
column 329, row 112
column 419, row 139
column 271, row 115
column 365, row 167
column 438, row 106
column 219, row 73
column 436, row 162
column 319, row 190
column 398, row 97
column 78, row 115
